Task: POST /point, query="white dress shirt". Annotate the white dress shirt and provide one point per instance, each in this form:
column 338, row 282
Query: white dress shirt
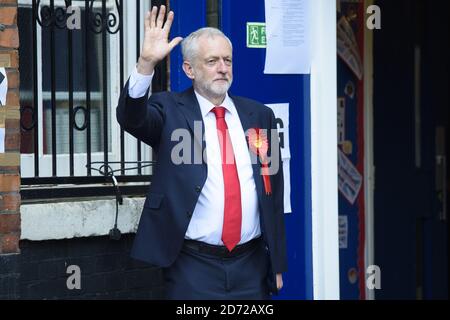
column 207, row 219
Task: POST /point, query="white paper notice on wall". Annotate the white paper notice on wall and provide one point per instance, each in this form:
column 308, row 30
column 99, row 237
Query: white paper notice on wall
column 2, row 140
column 288, row 36
column 3, row 86
column 349, row 178
column 287, row 185
column 347, row 47
column 281, row 112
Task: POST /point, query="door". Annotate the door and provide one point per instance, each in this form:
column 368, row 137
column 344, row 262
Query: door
column 250, row 81
column 411, row 136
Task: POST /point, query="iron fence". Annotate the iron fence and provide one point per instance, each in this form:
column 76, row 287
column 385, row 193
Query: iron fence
column 66, row 81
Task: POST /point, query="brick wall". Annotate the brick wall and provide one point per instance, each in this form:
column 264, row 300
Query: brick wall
column 39, row 271
column 106, row 271
column 10, row 120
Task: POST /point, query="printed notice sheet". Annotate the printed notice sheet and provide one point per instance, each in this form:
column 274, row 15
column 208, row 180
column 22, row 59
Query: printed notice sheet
column 349, row 178
column 2, row 140
column 288, row 33
column 3, row 86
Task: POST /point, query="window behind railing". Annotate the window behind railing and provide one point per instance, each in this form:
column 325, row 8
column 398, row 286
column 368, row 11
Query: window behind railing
column 75, row 56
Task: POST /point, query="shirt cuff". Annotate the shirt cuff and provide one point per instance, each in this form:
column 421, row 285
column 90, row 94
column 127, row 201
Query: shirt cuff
column 139, row 83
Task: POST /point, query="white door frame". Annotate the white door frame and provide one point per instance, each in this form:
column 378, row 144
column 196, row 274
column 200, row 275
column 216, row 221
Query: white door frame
column 369, row 167
column 324, row 174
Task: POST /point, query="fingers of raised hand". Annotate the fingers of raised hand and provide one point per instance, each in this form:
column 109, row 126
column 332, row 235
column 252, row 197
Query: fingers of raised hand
column 160, row 19
column 168, row 23
column 153, row 17
column 156, row 19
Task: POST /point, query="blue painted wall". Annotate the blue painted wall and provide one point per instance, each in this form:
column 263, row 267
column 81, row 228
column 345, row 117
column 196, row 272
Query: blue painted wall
column 189, row 16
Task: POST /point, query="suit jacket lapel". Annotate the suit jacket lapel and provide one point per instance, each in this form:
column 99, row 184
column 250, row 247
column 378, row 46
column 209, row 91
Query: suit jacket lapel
column 190, row 108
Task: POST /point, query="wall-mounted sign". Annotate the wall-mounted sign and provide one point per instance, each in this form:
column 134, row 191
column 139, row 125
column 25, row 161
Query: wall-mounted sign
column 349, row 179
column 289, row 35
column 281, row 112
column 256, row 35
column 2, row 140
column 3, row 86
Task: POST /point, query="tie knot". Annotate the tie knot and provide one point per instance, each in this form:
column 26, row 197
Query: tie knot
column 219, row 112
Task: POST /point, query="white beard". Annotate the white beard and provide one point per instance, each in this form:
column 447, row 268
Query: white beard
column 212, row 89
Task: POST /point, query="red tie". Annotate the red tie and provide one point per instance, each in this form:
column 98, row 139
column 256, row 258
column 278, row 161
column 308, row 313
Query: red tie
column 231, row 232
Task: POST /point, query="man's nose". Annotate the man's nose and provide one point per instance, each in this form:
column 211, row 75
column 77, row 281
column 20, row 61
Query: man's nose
column 222, row 67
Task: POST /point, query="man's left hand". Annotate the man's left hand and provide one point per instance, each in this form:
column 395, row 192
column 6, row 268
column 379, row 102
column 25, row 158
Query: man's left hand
column 279, row 281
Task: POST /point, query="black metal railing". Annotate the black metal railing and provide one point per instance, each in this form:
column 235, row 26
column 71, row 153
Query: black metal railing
column 75, row 62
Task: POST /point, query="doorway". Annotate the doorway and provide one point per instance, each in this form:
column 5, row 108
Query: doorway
column 411, row 137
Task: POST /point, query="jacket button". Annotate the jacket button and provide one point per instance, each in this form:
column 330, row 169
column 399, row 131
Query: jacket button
column 198, row 188
column 189, row 214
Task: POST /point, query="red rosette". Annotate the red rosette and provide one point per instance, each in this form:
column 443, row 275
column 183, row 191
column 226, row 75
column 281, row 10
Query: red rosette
column 259, row 145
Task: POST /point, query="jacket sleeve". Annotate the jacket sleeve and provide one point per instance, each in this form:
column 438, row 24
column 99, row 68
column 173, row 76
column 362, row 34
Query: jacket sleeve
column 278, row 198
column 142, row 118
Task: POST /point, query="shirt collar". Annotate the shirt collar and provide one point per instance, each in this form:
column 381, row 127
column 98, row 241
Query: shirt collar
column 206, row 105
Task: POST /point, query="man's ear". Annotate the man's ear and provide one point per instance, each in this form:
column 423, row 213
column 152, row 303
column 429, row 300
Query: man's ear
column 187, row 68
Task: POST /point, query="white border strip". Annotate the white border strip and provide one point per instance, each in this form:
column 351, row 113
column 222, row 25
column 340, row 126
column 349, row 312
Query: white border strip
column 324, row 151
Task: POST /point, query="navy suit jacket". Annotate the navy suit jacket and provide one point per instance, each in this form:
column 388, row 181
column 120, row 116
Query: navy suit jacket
column 175, row 188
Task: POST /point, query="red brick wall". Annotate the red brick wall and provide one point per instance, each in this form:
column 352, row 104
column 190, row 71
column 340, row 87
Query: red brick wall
column 10, row 120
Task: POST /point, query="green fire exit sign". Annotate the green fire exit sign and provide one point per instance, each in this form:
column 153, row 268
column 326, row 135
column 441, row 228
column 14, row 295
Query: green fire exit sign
column 256, row 35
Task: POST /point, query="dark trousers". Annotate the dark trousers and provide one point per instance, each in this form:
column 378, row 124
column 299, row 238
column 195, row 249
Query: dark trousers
column 205, row 276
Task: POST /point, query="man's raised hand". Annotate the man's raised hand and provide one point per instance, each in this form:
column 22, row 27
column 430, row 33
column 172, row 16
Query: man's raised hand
column 156, row 44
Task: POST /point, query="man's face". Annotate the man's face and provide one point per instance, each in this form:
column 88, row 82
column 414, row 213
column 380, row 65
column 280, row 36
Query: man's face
column 212, row 69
